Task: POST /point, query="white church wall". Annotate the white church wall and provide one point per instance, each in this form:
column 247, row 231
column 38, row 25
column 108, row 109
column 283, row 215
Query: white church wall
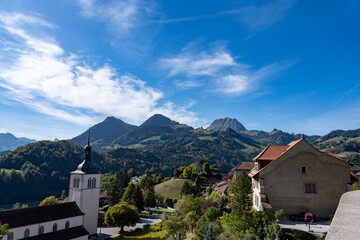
column 48, row 227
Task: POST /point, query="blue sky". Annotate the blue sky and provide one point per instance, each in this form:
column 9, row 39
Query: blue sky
column 290, row 65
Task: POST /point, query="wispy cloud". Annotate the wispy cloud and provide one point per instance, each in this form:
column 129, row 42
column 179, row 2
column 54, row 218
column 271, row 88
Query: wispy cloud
column 199, row 64
column 256, row 18
column 222, row 72
column 44, row 77
column 259, row 18
column 126, row 20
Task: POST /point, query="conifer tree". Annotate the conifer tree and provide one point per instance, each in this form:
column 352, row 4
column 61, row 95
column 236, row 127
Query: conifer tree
column 240, row 187
column 210, row 234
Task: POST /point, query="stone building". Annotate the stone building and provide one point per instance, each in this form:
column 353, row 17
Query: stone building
column 299, row 178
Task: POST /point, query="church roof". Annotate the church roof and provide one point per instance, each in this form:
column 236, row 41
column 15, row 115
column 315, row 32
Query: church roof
column 33, row 215
column 65, row 234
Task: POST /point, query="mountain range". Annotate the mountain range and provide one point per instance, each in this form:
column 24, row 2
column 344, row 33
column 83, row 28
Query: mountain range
column 159, row 144
column 9, row 142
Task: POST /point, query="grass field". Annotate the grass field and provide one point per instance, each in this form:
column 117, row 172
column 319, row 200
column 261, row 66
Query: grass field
column 171, row 188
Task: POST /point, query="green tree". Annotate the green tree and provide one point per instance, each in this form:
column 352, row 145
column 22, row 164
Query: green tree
column 189, row 203
column 17, row 205
column 221, row 204
column 4, row 230
column 187, row 188
column 173, row 224
column 121, row 215
column 120, row 181
column 210, row 234
column 212, row 213
column 133, row 195
column 50, row 201
column 206, row 169
column 149, row 197
column 240, row 188
column 179, row 236
column 187, row 173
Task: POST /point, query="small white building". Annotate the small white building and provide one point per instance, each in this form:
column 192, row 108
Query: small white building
column 75, row 219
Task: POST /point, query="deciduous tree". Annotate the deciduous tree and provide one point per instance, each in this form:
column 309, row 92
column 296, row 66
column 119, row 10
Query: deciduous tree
column 122, row 214
column 50, row 201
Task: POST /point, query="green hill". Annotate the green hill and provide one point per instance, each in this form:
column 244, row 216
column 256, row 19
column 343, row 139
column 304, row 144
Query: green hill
column 171, row 188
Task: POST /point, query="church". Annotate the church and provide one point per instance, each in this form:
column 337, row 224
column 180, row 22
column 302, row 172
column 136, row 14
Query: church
column 76, row 218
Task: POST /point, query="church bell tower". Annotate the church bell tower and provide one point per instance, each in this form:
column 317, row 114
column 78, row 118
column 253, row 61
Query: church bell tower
column 84, row 189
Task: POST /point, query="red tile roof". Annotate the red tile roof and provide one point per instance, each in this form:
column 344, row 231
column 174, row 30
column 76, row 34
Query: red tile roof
column 245, row 166
column 271, row 152
column 333, row 155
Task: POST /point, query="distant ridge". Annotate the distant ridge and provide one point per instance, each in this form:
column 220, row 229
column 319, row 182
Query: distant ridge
column 223, row 124
column 104, row 132
column 9, row 142
column 159, row 120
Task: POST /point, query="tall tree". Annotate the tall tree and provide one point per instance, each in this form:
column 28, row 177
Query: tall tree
column 121, row 215
column 210, row 234
column 133, row 194
column 149, row 197
column 240, row 188
column 120, row 181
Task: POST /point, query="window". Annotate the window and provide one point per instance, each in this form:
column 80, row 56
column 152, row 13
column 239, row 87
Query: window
column 303, row 169
column 94, row 183
column 41, row 230
column 89, row 183
column 67, row 224
column 310, row 188
column 26, row 233
column 11, row 236
column 55, row 227
column 76, row 183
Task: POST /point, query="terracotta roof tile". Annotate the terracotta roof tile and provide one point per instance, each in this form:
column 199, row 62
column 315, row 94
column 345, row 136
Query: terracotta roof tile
column 271, row 152
column 247, row 166
column 333, row 155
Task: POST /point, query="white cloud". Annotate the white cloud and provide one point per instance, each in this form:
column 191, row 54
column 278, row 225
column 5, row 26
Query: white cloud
column 127, row 21
column 259, row 18
column 218, row 70
column 124, row 14
column 233, row 84
column 46, row 79
column 199, row 64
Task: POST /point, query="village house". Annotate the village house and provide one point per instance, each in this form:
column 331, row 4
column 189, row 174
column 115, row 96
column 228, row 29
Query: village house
column 299, row 178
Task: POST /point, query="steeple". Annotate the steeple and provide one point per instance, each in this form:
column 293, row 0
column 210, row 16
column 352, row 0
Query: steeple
column 86, row 166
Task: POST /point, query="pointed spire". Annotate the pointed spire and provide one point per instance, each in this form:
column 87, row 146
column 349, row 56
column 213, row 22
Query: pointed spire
column 89, row 136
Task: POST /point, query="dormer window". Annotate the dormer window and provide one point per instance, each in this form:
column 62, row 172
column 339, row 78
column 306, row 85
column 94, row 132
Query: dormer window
column 303, row 169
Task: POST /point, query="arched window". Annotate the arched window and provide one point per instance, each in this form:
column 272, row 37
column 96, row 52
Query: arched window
column 89, row 183
column 11, row 236
column 94, row 183
column 26, row 233
column 41, row 230
column 67, row 224
column 55, row 227
column 77, row 182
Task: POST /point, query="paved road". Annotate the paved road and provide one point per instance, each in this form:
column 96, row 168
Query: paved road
column 114, row 231
column 316, row 228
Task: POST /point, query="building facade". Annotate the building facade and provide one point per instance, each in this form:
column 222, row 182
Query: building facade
column 299, row 178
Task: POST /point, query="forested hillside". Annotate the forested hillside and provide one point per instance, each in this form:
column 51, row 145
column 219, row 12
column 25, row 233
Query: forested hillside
column 40, row 169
